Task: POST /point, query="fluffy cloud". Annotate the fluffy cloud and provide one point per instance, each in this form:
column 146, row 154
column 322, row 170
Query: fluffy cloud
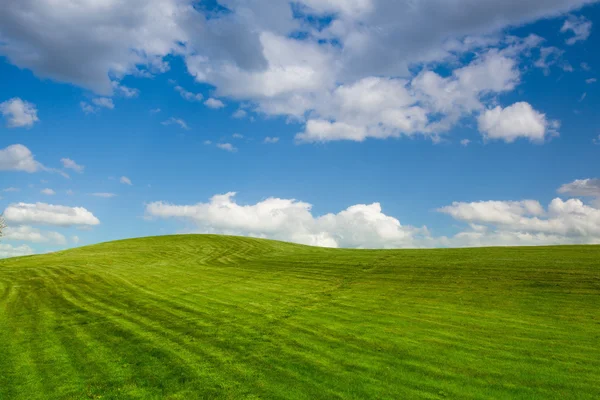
column 48, row 214
column 125, row 180
column 214, row 103
column 489, row 223
column 104, row 102
column 519, row 120
column 70, row 164
column 6, row 250
column 580, row 27
column 239, row 114
column 176, row 121
column 18, row 158
column 360, row 225
column 582, row 187
column 566, row 221
column 48, row 192
column 28, row 234
column 87, row 108
column 227, row 147
column 189, row 96
column 270, row 139
column 277, row 60
column 19, row 113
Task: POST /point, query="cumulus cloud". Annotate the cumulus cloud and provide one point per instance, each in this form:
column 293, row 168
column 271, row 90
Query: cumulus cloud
column 214, row 103
column 6, row 250
column 48, row 192
column 29, row 234
column 270, row 139
column 48, row 214
column 18, row 158
column 227, row 147
column 581, row 187
column 361, row 225
column 125, row 180
column 237, row 136
column 176, row 121
column 125, row 91
column 580, row 27
column 104, row 102
column 488, row 223
column 519, row 120
column 564, row 221
column 19, row 113
column 189, row 96
column 70, row 164
column 87, row 108
column 239, row 114
column 269, row 55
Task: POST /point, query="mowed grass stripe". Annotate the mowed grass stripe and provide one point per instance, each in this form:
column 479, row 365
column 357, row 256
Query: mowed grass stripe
column 207, row 316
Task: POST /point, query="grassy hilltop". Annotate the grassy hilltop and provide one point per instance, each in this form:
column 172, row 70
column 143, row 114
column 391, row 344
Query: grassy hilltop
column 205, row 316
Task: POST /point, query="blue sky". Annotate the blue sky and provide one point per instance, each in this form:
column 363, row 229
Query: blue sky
column 345, row 123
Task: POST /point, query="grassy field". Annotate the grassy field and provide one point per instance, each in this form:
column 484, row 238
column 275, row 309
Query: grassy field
column 203, row 316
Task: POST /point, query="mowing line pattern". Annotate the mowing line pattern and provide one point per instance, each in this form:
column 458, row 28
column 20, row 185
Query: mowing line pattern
column 208, row 316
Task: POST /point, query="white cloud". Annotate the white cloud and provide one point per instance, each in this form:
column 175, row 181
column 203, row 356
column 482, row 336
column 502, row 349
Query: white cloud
column 126, row 91
column 527, row 222
column 155, row 110
column 125, row 180
column 19, row 113
column 519, row 120
column 360, row 225
column 270, row 139
column 75, row 239
column 581, row 187
column 590, row 80
column 87, row 43
column 250, row 54
column 11, row 189
column 227, row 147
column 549, row 56
column 104, row 102
column 104, row 195
column 581, row 28
column 6, row 250
column 48, row 192
column 214, row 103
column 596, row 140
column 465, row 142
column 237, row 136
column 87, row 108
column 239, row 114
column 18, row 158
column 70, row 164
column 207, row 142
column 189, row 96
column 48, row 214
column 28, row 234
column 176, row 121
column 70, row 192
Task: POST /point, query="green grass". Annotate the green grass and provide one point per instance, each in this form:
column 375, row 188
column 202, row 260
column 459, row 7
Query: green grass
column 204, row 316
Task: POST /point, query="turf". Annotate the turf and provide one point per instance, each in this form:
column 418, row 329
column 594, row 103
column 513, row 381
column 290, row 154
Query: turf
column 205, row 316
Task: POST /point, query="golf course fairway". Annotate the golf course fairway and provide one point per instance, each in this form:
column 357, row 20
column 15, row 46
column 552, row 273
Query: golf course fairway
column 208, row 316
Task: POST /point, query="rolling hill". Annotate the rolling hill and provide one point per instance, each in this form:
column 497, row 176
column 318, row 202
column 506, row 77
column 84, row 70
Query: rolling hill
column 207, row 316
